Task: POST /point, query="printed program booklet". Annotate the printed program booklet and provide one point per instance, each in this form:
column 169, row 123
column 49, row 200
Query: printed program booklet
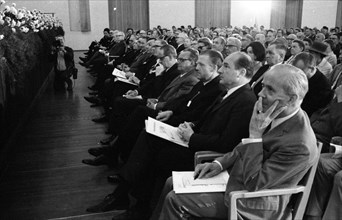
column 165, row 131
column 184, row 182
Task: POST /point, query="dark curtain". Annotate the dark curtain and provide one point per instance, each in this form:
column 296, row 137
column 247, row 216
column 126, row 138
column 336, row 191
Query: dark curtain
column 212, row 13
column 125, row 14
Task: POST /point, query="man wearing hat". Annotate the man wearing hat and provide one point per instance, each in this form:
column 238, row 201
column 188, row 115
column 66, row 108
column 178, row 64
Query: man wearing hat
column 233, row 45
column 318, row 50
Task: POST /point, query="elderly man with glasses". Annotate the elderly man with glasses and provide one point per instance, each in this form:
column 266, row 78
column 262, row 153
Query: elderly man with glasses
column 233, row 45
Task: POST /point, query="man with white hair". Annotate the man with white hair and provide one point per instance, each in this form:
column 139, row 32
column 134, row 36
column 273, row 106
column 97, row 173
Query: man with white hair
column 320, row 37
column 261, row 38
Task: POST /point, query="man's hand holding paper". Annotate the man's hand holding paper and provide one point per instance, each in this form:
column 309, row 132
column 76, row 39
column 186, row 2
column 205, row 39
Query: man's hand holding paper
column 207, row 170
column 185, row 131
column 164, row 116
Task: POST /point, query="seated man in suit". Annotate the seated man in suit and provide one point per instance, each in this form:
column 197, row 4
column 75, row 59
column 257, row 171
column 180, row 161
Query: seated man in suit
column 221, row 127
column 177, row 89
column 279, row 151
column 319, row 93
column 325, row 197
column 275, row 53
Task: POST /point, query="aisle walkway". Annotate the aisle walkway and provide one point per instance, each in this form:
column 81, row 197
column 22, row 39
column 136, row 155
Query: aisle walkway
column 46, row 179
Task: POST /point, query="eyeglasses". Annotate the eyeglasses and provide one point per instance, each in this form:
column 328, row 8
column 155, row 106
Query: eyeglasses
column 181, row 60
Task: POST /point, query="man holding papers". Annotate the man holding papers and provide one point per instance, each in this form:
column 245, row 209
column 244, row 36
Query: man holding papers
column 280, row 149
column 220, row 129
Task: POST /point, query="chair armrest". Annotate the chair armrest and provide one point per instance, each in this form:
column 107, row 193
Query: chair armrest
column 202, row 156
column 234, row 195
column 336, row 147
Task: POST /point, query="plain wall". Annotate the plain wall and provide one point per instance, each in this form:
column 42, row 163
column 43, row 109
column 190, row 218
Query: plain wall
column 319, row 13
column 75, row 39
column 174, row 12
column 259, row 12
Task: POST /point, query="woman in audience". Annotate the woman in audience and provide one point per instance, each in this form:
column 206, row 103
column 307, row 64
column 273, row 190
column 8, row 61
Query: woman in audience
column 257, row 52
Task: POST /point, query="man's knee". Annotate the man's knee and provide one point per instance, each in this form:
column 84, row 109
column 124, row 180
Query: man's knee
column 170, row 199
column 338, row 179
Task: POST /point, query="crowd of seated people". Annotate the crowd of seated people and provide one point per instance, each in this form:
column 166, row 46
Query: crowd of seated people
column 262, row 97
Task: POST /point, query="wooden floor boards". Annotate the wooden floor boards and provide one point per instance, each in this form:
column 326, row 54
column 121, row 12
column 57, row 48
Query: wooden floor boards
column 45, row 178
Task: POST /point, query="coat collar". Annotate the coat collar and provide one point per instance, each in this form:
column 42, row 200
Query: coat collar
column 230, row 97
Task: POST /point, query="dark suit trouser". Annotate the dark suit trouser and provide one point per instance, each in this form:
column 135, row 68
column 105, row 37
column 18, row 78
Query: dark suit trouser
column 181, row 206
column 326, row 193
column 122, row 107
column 151, row 161
column 130, row 131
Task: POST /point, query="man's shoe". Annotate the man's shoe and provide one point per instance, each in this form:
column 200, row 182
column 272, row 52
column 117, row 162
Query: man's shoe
column 97, row 151
column 83, row 64
column 93, row 88
column 116, row 179
column 111, row 202
column 101, row 119
column 84, row 59
column 92, row 99
column 93, row 93
column 95, row 105
column 98, row 161
column 106, row 141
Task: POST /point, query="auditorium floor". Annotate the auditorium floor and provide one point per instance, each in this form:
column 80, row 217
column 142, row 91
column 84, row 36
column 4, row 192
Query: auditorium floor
column 45, row 178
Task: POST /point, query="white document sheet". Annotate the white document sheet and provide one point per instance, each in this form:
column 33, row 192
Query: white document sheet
column 183, row 182
column 119, row 73
column 165, row 131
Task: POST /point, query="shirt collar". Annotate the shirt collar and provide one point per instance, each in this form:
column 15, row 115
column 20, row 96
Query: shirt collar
column 213, row 77
column 230, row 91
column 278, row 121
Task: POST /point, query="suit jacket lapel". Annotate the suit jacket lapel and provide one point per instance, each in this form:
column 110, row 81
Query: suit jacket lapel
column 179, row 79
column 229, row 98
column 284, row 127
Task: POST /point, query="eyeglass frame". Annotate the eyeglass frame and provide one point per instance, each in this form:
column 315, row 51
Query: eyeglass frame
column 181, row 60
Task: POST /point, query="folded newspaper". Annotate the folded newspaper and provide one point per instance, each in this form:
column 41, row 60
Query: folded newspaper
column 184, row 182
column 165, row 131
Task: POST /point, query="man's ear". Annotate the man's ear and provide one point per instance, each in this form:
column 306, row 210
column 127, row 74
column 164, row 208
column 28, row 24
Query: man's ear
column 214, row 68
column 293, row 99
column 282, row 56
column 242, row 72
